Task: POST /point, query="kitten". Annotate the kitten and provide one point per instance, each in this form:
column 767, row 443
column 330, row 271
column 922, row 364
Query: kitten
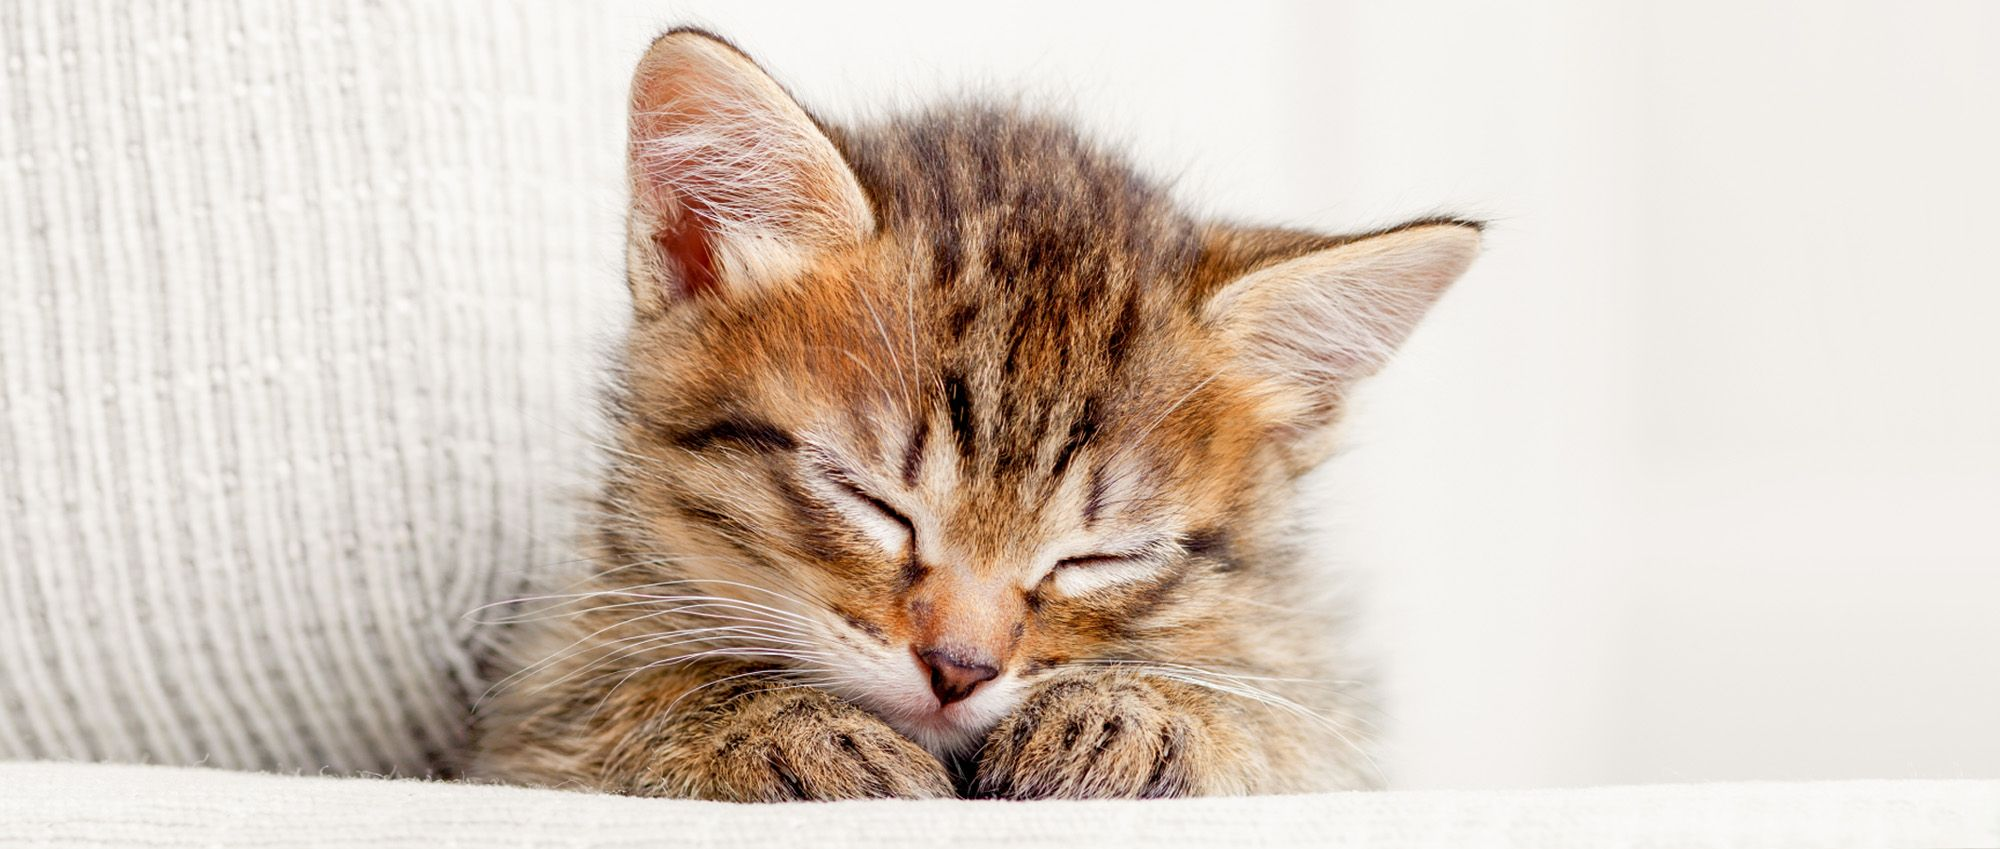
column 952, row 457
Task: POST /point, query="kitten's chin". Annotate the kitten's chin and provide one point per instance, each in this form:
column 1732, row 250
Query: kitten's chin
column 941, row 733
column 954, row 729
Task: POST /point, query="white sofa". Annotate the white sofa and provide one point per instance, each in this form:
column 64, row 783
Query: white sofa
column 298, row 311
column 81, row 805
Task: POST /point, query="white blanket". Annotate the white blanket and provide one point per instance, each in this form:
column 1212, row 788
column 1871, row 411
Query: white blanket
column 56, row 804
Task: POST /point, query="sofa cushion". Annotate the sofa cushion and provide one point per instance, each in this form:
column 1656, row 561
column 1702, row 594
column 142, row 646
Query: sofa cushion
column 301, row 303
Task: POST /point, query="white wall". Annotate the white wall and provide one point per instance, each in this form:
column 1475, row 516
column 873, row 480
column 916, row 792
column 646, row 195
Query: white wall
column 1697, row 475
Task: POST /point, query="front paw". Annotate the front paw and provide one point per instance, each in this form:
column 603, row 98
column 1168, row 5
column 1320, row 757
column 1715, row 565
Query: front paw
column 793, row 745
column 1102, row 737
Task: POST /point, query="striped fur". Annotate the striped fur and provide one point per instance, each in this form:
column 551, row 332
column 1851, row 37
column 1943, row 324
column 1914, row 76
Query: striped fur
column 997, row 400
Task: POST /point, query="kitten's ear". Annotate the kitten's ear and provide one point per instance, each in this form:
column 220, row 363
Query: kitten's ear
column 1307, row 316
column 734, row 186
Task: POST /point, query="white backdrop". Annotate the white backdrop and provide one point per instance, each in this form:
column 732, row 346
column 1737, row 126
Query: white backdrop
column 1697, row 474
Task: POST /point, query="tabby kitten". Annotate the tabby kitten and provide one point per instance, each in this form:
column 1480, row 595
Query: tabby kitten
column 951, row 458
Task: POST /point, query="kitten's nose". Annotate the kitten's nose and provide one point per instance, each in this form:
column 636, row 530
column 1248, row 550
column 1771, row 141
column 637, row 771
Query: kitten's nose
column 955, row 675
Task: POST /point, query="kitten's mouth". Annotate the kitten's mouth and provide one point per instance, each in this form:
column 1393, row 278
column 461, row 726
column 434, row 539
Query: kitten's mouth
column 948, row 718
column 943, row 729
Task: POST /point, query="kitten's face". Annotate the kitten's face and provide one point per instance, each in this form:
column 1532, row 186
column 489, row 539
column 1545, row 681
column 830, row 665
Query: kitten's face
column 1006, row 482
column 962, row 401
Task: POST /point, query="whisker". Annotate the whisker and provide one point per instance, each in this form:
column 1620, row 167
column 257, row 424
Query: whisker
column 752, row 650
column 699, row 607
column 641, row 599
column 775, row 629
column 683, row 659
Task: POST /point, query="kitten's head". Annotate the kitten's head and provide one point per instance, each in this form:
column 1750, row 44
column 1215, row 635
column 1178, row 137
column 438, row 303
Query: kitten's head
column 959, row 400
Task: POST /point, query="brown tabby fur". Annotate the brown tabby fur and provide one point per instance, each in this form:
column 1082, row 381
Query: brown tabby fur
column 1017, row 353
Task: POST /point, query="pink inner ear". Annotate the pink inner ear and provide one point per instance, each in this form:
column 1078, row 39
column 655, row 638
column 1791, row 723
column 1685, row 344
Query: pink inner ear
column 682, row 233
column 733, row 183
column 687, row 256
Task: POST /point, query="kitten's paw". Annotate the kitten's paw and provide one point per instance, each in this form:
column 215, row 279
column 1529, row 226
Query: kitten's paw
column 798, row 744
column 1097, row 737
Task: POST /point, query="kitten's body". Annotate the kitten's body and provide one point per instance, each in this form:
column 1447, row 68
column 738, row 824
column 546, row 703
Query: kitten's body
column 952, row 444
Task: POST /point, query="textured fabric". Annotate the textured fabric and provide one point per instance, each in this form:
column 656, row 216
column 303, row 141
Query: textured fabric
column 83, row 805
column 298, row 308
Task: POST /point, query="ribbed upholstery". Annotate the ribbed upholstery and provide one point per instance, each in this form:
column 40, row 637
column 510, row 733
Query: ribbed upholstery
column 299, row 308
column 48, row 805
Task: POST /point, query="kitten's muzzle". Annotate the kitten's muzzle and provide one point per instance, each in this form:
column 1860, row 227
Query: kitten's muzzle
column 963, row 628
column 954, row 674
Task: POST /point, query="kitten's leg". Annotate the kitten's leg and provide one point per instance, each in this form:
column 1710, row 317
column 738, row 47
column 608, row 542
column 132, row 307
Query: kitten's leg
column 1095, row 735
column 710, row 737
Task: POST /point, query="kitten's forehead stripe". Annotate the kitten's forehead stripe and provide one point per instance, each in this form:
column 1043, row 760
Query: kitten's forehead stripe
column 1081, row 430
column 1093, row 501
column 913, row 457
column 1119, row 342
column 961, row 319
column 944, row 251
column 958, row 406
column 1052, row 261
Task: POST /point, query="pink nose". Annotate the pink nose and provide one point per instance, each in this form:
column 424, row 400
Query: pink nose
column 954, row 675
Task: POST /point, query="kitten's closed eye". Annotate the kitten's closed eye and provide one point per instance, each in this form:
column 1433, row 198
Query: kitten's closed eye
column 1090, row 560
column 1086, row 573
column 882, row 522
column 880, row 506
